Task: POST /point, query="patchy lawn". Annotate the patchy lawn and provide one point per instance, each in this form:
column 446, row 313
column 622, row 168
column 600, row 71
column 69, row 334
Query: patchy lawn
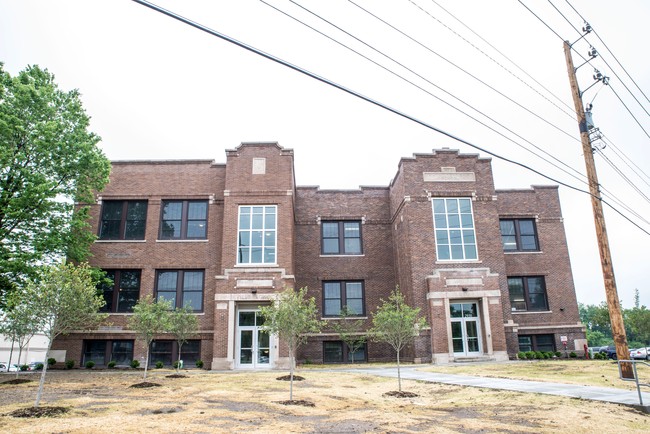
column 103, row 402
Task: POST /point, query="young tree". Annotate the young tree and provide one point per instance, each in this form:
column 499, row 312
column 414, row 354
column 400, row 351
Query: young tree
column 48, row 161
column 291, row 317
column 150, row 318
column 350, row 331
column 182, row 324
column 397, row 324
column 65, row 299
column 19, row 323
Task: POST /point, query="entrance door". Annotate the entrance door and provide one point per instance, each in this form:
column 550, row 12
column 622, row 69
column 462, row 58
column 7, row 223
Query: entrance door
column 465, row 329
column 253, row 343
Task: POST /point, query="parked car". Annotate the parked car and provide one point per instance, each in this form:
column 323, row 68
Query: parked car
column 640, row 353
column 609, row 351
column 3, row 367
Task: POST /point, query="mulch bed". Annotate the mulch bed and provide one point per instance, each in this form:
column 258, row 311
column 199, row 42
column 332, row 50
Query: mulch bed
column 297, row 402
column 17, row 381
column 176, row 376
column 39, row 411
column 397, row 394
column 144, row 385
column 288, row 378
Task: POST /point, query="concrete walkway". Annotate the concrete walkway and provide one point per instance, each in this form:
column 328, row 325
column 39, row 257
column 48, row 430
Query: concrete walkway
column 607, row 394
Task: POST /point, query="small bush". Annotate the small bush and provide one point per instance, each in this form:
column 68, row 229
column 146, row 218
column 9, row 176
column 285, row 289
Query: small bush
column 558, row 354
column 38, row 366
column 69, row 364
column 539, row 355
column 135, row 364
column 159, row 364
column 573, row 355
column 111, row 364
column 521, row 355
column 199, row 364
column 24, row 368
column 51, row 361
column 90, row 364
column 175, row 364
column 530, row 355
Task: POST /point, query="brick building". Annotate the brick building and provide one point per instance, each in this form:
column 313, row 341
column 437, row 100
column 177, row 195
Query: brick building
column 489, row 268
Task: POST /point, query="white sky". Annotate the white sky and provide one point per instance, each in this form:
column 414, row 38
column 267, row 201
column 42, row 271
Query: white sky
column 157, row 88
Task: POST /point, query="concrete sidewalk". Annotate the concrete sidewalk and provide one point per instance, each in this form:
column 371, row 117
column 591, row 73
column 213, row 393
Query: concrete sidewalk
column 607, row 394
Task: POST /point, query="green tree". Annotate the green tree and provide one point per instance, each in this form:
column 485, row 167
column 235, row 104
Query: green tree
column 350, row 331
column 48, row 162
column 291, row 317
column 637, row 322
column 397, row 324
column 183, row 324
column 149, row 319
column 64, row 298
column 19, row 323
column 596, row 318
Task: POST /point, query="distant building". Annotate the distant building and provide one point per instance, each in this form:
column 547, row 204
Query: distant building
column 488, row 268
column 34, row 350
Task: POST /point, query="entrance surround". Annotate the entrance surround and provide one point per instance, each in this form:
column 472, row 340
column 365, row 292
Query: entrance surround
column 465, row 285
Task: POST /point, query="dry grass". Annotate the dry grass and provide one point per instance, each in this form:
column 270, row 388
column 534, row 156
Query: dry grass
column 584, row 372
column 205, row 402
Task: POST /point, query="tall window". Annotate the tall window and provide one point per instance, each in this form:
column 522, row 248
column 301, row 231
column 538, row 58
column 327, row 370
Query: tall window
column 123, row 292
column 343, row 293
column 518, row 235
column 453, row 223
column 257, row 235
column 527, row 293
column 184, row 220
column 123, row 220
column 341, row 238
column 181, row 287
column 103, row 351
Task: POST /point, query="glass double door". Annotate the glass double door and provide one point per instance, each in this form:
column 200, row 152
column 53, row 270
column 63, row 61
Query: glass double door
column 465, row 328
column 253, row 341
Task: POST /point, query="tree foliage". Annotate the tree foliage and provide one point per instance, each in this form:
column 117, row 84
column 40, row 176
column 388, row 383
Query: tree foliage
column 64, row 299
column 18, row 323
column 350, row 331
column 291, row 317
column 150, row 318
column 599, row 331
column 183, row 324
column 48, row 161
column 397, row 324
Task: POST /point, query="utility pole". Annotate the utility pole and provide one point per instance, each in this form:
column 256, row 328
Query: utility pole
column 613, row 304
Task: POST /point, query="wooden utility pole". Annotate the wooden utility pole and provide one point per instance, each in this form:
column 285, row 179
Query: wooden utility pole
column 613, row 304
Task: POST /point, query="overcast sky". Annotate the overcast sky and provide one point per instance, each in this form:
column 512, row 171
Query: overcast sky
column 160, row 89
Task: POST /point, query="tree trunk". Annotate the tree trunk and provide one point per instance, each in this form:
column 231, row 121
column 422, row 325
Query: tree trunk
column 178, row 362
column 11, row 353
column 292, row 359
column 146, row 362
column 41, row 383
column 399, row 375
column 20, row 351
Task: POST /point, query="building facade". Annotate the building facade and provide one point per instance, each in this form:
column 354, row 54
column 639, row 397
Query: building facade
column 488, row 268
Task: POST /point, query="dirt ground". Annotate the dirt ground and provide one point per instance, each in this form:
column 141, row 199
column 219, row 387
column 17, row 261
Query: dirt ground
column 208, row 402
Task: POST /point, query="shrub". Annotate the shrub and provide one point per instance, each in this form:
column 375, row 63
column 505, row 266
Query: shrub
column 530, row 355
column 51, row 361
column 111, row 364
column 24, row 367
column 175, row 364
column 539, row 355
column 69, row 364
column 558, row 354
column 38, row 366
column 573, row 355
column 90, row 364
column 521, row 355
column 135, row 364
column 159, row 364
column 199, row 364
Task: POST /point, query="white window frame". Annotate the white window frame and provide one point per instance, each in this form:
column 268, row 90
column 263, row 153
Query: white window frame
column 447, row 229
column 263, row 229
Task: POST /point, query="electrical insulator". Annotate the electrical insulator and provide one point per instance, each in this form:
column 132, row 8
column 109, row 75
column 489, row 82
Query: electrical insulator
column 592, row 52
column 586, row 28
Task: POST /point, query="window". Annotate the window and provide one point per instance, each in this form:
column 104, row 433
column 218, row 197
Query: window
column 527, row 293
column 181, row 287
column 333, row 352
column 167, row 352
column 103, row 351
column 123, row 293
column 341, row 238
column 184, row 220
column 257, row 235
column 518, row 235
column 536, row 343
column 123, row 220
column 339, row 294
column 453, row 223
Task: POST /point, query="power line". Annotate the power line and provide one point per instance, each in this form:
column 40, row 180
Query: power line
column 571, row 115
column 628, row 162
column 464, row 71
column 427, row 92
column 622, row 175
column 542, row 21
column 629, row 111
column 365, row 98
column 610, row 52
